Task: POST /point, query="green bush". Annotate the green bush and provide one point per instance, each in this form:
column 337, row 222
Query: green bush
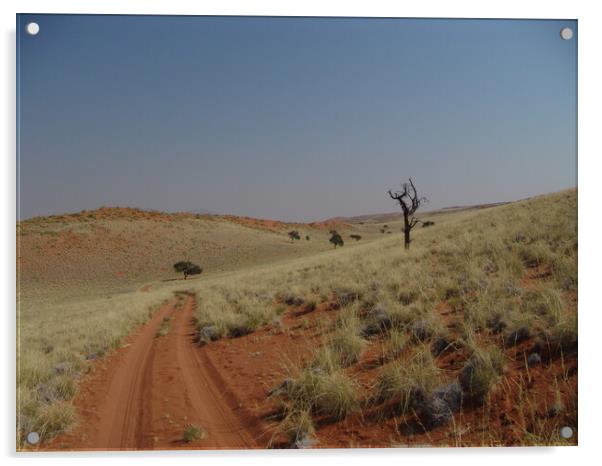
column 192, row 433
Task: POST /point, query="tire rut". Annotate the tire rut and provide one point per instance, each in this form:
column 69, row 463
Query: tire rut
column 146, row 394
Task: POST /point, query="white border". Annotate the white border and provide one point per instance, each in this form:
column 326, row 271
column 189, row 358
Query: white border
column 590, row 77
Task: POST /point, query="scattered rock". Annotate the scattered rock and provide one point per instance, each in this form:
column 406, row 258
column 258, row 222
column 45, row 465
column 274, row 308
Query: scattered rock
column 46, row 393
column 534, row 359
column 240, row 331
column 277, row 324
column 489, row 267
column 517, row 336
column 282, row 388
column 293, row 300
column 451, row 394
column 377, row 312
column 305, row 441
column 496, row 324
column 436, row 413
column 466, row 376
column 442, row 405
column 378, row 322
column 440, row 345
column 370, row 329
column 24, row 423
column 407, row 297
column 347, row 297
column 207, row 334
column 555, row 410
column 91, row 356
column 266, row 297
column 421, row 330
column 61, row 368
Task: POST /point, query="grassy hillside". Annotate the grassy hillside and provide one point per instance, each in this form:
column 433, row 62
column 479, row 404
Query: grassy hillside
column 476, row 293
column 476, row 325
column 112, row 249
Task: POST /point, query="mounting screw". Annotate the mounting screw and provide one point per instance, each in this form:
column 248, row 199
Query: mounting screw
column 32, row 28
column 566, row 432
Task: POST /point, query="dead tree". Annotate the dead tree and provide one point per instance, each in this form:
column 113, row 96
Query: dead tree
column 409, row 202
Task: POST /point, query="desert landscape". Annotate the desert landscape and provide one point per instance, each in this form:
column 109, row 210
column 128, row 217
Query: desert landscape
column 468, row 338
column 257, row 232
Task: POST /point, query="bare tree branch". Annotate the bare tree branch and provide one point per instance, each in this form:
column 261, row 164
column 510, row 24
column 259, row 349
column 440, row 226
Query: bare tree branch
column 410, row 202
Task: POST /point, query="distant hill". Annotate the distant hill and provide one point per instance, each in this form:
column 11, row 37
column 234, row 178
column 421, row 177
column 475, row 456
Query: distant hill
column 113, row 247
column 393, row 216
column 203, row 212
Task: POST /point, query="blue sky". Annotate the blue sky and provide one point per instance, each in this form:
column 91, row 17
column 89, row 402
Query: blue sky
column 291, row 118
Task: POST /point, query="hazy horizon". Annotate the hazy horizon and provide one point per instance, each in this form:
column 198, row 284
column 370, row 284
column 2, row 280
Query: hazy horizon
column 425, row 209
column 295, row 119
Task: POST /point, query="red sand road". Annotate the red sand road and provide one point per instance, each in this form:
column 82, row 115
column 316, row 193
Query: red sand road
column 144, row 395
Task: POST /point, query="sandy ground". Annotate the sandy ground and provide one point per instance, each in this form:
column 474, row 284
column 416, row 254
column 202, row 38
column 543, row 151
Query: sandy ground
column 143, row 395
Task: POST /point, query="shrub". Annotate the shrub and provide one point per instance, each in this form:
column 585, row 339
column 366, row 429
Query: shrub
column 292, row 300
column 516, row 336
column 425, row 328
column 325, row 360
column 336, row 239
column 294, row 235
column 297, row 425
column 545, row 303
column 355, row 237
column 411, row 383
column 562, row 337
column 348, row 345
column 535, row 254
column 564, row 270
column 332, row 394
column 241, row 329
column 54, row 418
column 346, row 296
column 481, row 372
column 396, row 344
column 407, row 297
column 377, row 322
column 441, row 344
column 193, row 432
column 187, row 268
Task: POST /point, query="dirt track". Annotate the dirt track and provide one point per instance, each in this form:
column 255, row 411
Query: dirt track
column 145, row 394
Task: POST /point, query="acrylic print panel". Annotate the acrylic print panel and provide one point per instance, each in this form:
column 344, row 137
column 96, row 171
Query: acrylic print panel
column 247, row 232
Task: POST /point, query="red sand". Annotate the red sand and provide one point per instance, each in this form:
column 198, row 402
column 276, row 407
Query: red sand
column 143, row 395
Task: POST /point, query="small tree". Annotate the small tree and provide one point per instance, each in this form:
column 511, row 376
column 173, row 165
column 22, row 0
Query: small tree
column 187, row 268
column 356, row 237
column 336, row 239
column 293, row 235
column 409, row 202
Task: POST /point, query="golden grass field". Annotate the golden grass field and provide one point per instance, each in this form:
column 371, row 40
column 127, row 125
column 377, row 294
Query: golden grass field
column 462, row 310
